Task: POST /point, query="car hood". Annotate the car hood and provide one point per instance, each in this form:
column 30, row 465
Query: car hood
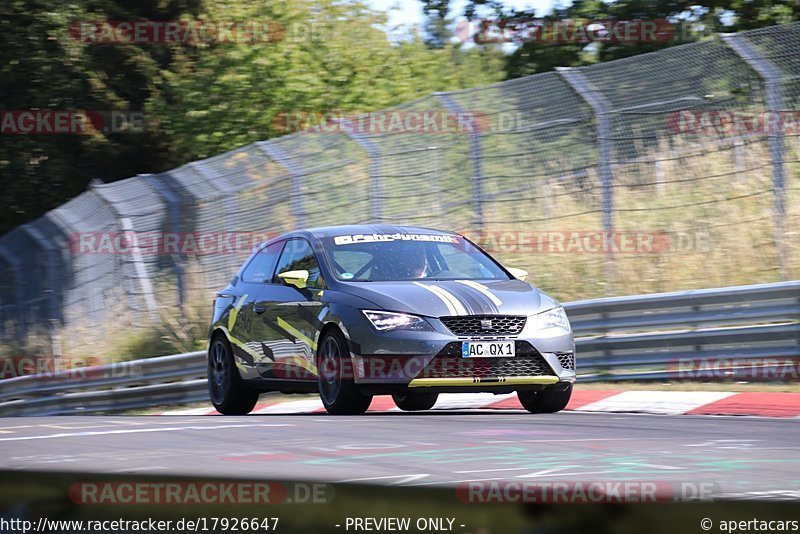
column 455, row 297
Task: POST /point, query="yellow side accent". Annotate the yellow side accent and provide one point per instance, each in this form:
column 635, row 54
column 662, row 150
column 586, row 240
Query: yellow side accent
column 235, row 312
column 475, row 381
column 256, row 356
column 300, row 362
column 245, row 348
column 297, row 333
column 294, row 360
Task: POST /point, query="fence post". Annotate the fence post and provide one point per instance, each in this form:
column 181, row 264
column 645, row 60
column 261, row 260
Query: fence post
column 173, row 201
column 376, row 187
column 277, row 154
column 54, row 318
column 773, row 87
column 601, row 109
column 19, row 291
column 226, row 196
column 137, row 258
column 476, row 156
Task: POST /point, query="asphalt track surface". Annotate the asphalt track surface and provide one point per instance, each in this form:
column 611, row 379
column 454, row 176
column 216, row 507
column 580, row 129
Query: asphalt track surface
column 744, row 457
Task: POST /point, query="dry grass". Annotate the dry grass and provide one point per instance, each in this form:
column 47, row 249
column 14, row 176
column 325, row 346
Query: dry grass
column 713, row 226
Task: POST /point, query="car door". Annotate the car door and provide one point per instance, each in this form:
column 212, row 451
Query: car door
column 290, row 316
column 245, row 324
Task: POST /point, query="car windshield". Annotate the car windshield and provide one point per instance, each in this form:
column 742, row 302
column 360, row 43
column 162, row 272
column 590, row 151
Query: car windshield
column 397, row 257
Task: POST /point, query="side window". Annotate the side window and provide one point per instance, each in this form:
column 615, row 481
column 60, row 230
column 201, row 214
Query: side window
column 298, row 255
column 262, row 265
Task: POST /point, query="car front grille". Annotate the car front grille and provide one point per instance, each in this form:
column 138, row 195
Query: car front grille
column 567, row 360
column 475, row 325
column 450, row 364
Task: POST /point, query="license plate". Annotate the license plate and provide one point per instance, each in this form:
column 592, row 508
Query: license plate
column 488, row 349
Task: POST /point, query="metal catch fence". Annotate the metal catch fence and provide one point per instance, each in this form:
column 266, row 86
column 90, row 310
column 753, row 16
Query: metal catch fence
column 622, row 150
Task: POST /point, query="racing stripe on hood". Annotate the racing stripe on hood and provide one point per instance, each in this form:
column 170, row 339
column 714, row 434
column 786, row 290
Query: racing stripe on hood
column 460, row 305
column 454, row 306
column 495, row 301
column 475, row 303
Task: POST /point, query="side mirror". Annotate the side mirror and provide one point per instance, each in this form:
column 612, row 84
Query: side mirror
column 298, row 279
column 519, row 274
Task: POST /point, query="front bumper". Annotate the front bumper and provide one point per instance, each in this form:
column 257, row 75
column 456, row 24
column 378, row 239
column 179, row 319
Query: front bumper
column 431, row 360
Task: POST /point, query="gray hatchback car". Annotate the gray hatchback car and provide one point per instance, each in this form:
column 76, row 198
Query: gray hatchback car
column 357, row 311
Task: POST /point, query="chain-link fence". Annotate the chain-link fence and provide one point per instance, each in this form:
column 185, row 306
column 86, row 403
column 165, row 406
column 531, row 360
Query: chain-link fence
column 665, row 171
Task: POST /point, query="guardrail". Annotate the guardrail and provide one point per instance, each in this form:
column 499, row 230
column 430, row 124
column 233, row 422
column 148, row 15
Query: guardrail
column 175, row 379
column 643, row 337
column 707, row 333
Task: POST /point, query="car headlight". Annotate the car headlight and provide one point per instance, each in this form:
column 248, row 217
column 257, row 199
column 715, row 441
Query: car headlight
column 553, row 318
column 384, row 321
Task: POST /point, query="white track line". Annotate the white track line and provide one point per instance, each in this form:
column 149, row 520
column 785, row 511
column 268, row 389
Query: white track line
column 658, row 402
column 136, row 431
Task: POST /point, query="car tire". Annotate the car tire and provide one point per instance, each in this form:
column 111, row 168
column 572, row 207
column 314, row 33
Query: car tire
column 415, row 402
column 337, row 388
column 548, row 400
column 226, row 389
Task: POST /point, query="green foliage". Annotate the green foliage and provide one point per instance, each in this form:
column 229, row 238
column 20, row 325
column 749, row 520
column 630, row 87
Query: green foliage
column 43, row 67
column 199, row 99
column 691, row 21
column 751, row 14
column 332, row 58
column 437, row 28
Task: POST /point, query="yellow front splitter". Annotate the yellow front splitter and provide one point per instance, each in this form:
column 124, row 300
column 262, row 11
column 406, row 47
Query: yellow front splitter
column 474, row 381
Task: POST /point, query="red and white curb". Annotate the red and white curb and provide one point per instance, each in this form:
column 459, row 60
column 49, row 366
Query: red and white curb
column 650, row 402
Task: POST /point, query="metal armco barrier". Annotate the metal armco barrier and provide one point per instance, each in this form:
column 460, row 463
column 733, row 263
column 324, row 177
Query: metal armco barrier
column 642, row 337
column 660, row 336
column 166, row 380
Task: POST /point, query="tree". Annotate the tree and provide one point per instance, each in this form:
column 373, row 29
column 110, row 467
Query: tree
column 199, row 99
column 332, row 58
column 437, row 30
column 692, row 21
column 43, row 67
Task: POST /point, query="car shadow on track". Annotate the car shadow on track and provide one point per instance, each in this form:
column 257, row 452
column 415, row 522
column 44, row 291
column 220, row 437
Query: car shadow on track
column 432, row 413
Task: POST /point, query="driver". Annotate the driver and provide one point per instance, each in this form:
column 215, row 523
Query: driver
column 409, row 263
column 413, row 262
